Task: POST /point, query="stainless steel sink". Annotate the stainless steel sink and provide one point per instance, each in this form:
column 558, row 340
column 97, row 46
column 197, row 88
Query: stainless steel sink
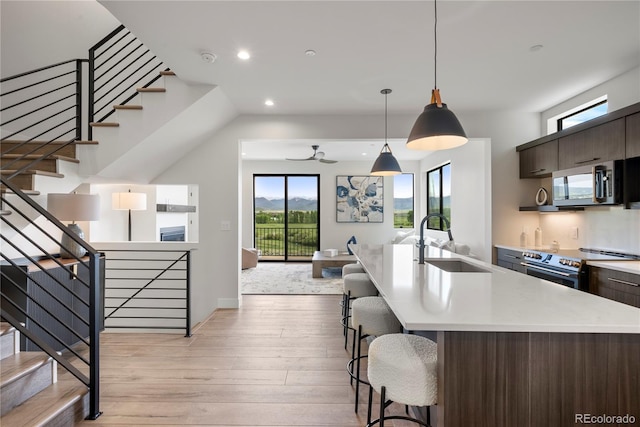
column 456, row 266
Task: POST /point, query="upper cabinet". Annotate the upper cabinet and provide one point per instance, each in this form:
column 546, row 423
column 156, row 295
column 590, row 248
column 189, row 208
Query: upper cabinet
column 633, row 135
column 593, row 145
column 540, row 160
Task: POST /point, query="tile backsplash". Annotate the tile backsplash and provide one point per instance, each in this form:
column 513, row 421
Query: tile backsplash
column 599, row 227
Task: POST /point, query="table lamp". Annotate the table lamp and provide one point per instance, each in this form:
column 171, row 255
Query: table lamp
column 129, row 202
column 73, row 207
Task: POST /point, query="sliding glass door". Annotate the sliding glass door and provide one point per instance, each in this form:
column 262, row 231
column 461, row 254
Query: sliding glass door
column 286, row 211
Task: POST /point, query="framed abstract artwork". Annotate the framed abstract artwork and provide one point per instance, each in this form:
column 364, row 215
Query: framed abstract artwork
column 359, row 198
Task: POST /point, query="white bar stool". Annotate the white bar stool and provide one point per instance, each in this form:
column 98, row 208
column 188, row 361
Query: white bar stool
column 403, row 369
column 354, row 285
column 370, row 316
column 352, row 268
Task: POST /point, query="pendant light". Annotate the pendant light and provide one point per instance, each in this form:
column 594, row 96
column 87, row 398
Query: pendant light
column 385, row 164
column 437, row 128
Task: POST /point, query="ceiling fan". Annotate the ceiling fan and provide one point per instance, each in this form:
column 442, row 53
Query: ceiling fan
column 317, row 155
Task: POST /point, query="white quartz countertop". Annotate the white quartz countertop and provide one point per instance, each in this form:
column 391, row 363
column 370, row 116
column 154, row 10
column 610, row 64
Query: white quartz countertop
column 632, row 267
column 425, row 297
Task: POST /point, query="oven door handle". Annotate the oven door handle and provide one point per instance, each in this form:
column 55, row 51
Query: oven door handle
column 548, row 270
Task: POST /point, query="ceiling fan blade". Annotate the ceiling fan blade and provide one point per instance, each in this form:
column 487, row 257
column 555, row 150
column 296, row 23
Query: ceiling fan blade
column 302, row 160
column 327, row 161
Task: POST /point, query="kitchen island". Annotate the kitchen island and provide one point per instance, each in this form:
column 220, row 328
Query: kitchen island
column 513, row 350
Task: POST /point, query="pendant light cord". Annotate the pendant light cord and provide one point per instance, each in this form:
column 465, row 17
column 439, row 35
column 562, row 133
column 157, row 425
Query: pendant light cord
column 435, row 43
column 385, row 117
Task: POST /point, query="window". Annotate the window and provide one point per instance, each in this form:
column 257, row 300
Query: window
column 439, row 196
column 403, row 200
column 583, row 114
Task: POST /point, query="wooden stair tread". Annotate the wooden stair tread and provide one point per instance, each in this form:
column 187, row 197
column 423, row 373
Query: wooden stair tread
column 18, row 365
column 42, row 408
column 33, row 172
column 6, row 328
column 167, row 73
column 18, row 141
column 36, row 156
column 151, row 89
column 127, row 107
column 104, row 124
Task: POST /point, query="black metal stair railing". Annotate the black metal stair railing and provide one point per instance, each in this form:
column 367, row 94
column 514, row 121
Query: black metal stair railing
column 56, row 304
column 39, row 107
column 61, row 310
column 148, row 289
column 118, row 64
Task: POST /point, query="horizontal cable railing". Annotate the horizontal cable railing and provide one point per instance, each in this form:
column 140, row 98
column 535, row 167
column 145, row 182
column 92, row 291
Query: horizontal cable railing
column 55, row 303
column 301, row 241
column 148, row 289
column 39, row 107
column 118, row 65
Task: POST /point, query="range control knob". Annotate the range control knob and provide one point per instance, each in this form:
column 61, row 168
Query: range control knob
column 575, row 264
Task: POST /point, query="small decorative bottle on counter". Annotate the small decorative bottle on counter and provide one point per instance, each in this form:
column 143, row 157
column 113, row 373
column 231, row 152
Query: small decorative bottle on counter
column 523, row 238
column 538, row 237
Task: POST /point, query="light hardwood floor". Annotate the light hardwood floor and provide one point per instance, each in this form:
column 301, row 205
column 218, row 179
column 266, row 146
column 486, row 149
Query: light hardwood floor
column 277, row 361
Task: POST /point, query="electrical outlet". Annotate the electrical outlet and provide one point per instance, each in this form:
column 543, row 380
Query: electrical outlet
column 225, row 225
column 573, row 232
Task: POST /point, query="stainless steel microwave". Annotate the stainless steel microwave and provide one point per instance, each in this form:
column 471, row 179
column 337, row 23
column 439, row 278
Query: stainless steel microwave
column 599, row 184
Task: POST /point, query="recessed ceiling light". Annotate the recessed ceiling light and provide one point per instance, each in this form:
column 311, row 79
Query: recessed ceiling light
column 310, row 52
column 243, row 54
column 536, row 47
column 269, row 103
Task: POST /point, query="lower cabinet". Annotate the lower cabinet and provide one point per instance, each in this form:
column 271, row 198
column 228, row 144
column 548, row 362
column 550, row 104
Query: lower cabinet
column 511, row 259
column 615, row 285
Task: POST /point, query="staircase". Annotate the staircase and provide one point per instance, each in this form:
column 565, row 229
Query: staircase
column 30, row 392
column 23, row 154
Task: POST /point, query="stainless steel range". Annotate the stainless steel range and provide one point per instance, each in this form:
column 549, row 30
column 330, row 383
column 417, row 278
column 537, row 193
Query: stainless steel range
column 568, row 267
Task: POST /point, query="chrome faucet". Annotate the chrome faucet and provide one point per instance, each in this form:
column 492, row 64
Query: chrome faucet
column 421, row 241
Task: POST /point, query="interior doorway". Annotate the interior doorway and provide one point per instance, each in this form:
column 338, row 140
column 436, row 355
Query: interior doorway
column 286, row 212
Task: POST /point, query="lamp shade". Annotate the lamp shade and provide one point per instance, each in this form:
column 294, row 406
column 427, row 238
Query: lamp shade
column 386, row 164
column 74, row 207
column 437, row 128
column 129, row 201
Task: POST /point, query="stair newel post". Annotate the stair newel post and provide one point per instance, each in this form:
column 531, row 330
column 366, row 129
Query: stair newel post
column 78, row 99
column 91, row 95
column 96, row 317
column 188, row 290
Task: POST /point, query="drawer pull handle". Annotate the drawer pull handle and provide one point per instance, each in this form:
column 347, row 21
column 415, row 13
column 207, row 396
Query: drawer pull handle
column 537, row 170
column 624, row 282
column 587, row 161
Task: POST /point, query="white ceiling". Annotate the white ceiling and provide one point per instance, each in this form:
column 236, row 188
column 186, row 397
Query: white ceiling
column 484, row 56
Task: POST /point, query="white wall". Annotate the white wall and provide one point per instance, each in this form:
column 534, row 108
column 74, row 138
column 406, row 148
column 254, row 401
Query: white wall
column 332, row 234
column 470, row 194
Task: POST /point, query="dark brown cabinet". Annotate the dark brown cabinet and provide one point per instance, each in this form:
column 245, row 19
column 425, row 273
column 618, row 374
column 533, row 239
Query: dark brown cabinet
column 539, row 161
column 615, row 285
column 594, row 145
column 633, row 135
column 511, row 259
